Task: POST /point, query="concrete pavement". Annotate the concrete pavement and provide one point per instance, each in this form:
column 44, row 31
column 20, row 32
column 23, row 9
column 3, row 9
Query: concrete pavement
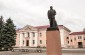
column 64, row 52
column 26, row 53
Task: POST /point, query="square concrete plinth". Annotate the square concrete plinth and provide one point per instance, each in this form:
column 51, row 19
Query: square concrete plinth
column 53, row 43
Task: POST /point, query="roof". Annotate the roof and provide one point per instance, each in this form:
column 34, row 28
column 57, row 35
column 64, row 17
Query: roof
column 17, row 30
column 46, row 26
column 77, row 33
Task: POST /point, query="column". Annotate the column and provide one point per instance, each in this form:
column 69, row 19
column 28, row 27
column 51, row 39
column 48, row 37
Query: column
column 30, row 40
column 36, row 39
column 21, row 39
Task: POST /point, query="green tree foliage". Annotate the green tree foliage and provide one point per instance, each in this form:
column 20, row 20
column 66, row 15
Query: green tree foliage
column 1, row 31
column 9, row 34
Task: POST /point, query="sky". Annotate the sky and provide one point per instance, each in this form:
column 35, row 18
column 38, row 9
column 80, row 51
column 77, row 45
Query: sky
column 70, row 13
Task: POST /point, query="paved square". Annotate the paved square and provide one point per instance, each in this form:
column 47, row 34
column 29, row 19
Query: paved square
column 27, row 53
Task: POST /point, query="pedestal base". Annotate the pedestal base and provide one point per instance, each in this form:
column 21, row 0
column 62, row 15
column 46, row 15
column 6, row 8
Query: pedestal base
column 52, row 28
column 53, row 43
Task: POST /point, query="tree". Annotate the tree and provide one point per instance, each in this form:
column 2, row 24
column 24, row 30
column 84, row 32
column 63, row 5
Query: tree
column 9, row 34
column 1, row 32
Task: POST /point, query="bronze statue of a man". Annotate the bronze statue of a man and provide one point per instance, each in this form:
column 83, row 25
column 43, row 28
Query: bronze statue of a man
column 51, row 16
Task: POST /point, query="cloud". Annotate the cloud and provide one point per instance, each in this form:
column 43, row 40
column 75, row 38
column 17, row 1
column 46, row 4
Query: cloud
column 34, row 12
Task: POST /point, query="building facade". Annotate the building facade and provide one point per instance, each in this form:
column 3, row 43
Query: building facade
column 76, row 40
column 30, row 36
column 27, row 36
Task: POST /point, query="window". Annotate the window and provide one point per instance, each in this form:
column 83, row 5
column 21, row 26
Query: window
column 33, row 41
column 67, row 38
column 84, row 38
column 74, row 38
column 33, row 33
column 68, row 42
column 71, row 40
column 40, row 41
column 79, row 37
column 23, row 34
column 23, row 41
column 28, row 34
column 40, row 34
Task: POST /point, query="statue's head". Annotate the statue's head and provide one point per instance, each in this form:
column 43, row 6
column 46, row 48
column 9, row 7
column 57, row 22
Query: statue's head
column 51, row 7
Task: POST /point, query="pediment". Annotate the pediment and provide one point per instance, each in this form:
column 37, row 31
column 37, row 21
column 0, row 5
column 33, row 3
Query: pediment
column 29, row 27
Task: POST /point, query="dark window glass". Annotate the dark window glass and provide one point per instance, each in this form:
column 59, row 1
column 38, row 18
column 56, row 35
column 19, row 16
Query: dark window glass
column 71, row 40
column 74, row 38
column 33, row 41
column 68, row 42
column 23, row 41
column 84, row 38
column 67, row 37
column 40, row 34
column 33, row 33
column 23, row 34
column 79, row 37
column 40, row 41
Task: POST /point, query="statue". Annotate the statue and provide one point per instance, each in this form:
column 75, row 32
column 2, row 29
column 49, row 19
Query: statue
column 51, row 16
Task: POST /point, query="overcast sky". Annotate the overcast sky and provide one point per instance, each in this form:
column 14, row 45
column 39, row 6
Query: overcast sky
column 70, row 13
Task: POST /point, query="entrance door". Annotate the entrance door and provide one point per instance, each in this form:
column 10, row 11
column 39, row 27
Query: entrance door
column 80, row 45
column 27, row 42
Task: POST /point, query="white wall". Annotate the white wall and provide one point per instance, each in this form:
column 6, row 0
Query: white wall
column 62, row 37
column 21, row 39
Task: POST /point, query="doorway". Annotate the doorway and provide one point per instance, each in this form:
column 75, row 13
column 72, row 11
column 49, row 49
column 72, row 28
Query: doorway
column 27, row 42
column 80, row 45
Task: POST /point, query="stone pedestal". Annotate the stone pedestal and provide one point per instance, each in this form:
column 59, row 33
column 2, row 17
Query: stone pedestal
column 53, row 42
